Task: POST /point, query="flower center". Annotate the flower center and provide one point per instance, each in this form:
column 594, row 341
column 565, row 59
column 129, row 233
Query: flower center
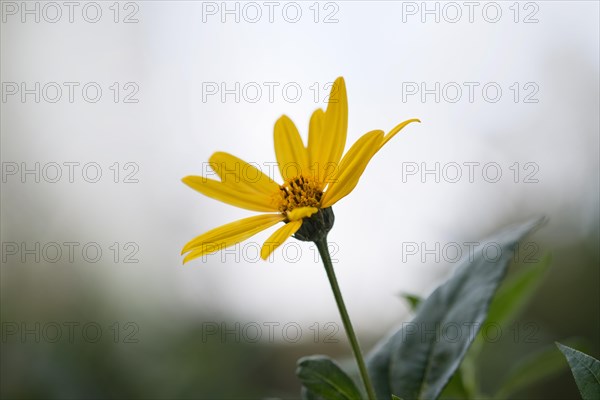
column 300, row 191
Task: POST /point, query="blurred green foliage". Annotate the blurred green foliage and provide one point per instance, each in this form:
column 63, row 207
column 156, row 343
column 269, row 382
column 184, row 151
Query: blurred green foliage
column 171, row 360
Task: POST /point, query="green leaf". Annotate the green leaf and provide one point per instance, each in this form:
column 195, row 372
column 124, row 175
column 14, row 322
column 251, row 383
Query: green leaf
column 378, row 366
column 394, row 397
column 586, row 370
column 322, row 377
column 418, row 360
column 306, row 394
column 510, row 299
column 412, row 299
column 516, row 292
column 532, row 369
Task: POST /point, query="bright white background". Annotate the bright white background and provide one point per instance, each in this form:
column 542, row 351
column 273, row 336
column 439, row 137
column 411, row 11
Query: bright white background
column 175, row 49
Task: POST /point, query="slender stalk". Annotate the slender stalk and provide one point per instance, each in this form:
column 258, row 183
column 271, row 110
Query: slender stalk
column 324, row 252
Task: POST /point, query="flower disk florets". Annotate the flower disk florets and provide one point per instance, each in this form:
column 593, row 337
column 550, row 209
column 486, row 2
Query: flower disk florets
column 300, row 191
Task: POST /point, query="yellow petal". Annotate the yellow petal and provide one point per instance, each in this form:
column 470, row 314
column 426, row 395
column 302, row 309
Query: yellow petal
column 230, row 195
column 251, row 225
column 397, row 129
column 327, row 133
column 278, row 237
column 291, row 154
column 301, row 212
column 335, row 124
column 354, row 163
column 229, row 234
column 351, row 167
column 315, row 143
column 236, row 172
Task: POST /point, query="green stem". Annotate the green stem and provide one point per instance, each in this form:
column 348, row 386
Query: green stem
column 324, row 251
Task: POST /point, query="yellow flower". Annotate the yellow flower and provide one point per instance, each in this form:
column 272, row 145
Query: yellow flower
column 315, row 177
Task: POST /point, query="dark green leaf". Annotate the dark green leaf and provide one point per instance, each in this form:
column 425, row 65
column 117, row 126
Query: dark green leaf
column 419, row 359
column 586, row 370
column 322, row 377
column 378, row 365
column 510, row 299
column 308, row 395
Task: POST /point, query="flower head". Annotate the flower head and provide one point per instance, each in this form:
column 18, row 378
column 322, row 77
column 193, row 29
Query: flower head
column 315, row 177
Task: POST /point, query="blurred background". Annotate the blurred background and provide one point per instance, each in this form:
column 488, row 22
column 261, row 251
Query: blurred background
column 107, row 105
